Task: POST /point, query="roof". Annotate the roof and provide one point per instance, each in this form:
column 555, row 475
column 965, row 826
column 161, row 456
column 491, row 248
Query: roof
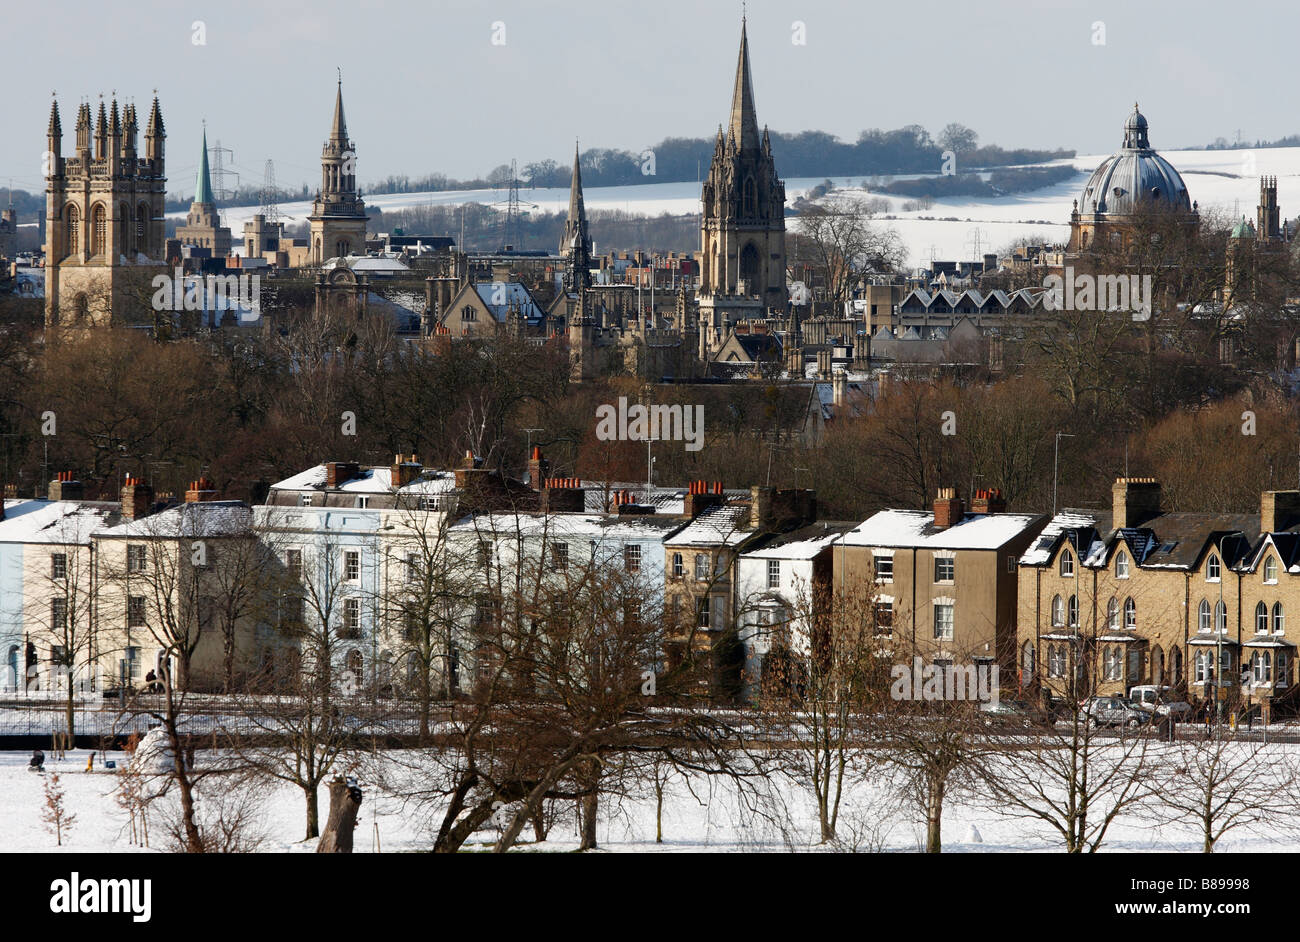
column 1072, row 520
column 558, row 526
column 802, row 544
column 369, row 481
column 727, row 525
column 54, row 521
column 500, row 297
column 915, row 529
column 192, row 519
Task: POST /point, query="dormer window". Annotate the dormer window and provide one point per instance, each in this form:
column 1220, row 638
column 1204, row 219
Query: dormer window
column 1213, row 570
column 1121, row 565
column 1067, row 564
column 1270, row 570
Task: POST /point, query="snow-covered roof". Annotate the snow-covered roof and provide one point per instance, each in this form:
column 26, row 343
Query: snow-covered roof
column 366, row 263
column 191, row 519
column 369, row 481
column 1040, row 553
column 802, row 544
column 559, row 526
column 727, row 525
column 54, row 521
column 915, row 529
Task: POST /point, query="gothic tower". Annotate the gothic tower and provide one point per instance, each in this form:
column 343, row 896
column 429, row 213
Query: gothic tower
column 104, row 210
column 742, row 231
column 203, row 224
column 338, row 217
column 576, row 245
column 1268, row 228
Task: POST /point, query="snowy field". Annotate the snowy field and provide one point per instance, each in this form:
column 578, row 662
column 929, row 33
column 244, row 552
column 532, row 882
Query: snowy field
column 704, row 818
column 1224, row 180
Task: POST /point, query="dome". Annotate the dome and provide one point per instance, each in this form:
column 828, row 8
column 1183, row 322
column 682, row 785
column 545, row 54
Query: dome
column 1243, row 230
column 1134, row 172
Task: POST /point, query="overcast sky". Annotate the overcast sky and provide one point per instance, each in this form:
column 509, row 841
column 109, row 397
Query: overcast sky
column 426, row 90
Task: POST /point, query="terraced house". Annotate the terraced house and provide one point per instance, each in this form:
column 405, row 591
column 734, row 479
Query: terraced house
column 1141, row 595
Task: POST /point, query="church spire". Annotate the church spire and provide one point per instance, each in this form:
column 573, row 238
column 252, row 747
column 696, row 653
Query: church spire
column 577, row 243
column 339, row 129
column 203, row 184
column 743, row 127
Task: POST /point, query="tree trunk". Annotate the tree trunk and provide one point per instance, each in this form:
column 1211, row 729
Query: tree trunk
column 934, row 818
column 345, row 802
column 590, row 804
column 313, row 812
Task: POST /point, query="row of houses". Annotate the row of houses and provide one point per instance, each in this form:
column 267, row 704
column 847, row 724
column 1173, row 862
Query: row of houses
column 95, row 594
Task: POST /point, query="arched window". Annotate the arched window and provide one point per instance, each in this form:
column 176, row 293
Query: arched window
column 1121, row 565
column 124, row 229
column 1114, row 663
column 72, row 229
column 1261, row 618
column 98, row 230
column 749, row 266
column 1202, row 663
column 1220, row 617
column 1130, row 613
column 1279, row 619
column 143, row 216
column 1067, row 564
column 1176, row 664
column 1270, row 569
column 1056, row 660
column 1157, row 665
column 749, row 198
column 355, row 664
column 1073, row 612
column 1262, row 667
column 1112, row 614
column 1212, row 569
column 1058, row 612
column 1203, row 616
column 1027, row 661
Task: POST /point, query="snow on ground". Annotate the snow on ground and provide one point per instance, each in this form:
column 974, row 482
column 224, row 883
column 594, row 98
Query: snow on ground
column 1226, row 180
column 707, row 817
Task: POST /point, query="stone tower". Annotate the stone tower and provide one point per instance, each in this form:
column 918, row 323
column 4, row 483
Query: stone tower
column 203, row 224
column 1268, row 228
column 104, row 209
column 338, row 217
column 575, row 247
column 742, row 232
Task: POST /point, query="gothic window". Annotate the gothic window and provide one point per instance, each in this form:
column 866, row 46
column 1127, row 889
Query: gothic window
column 749, row 267
column 98, row 230
column 72, row 233
column 124, row 228
column 749, row 200
column 142, row 219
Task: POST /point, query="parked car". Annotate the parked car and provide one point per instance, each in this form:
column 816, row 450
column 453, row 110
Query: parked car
column 1113, row 711
column 1016, row 713
column 1160, row 700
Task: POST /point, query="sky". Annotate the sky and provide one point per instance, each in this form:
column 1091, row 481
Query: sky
column 460, row 86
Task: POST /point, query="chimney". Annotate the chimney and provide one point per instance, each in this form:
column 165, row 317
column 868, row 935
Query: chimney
column 563, row 495
column 1134, row 500
column 539, row 469
column 1278, row 510
column 200, row 490
column 839, row 389
column 338, row 473
column 988, row 500
column 702, row 496
column 405, row 470
column 65, row 486
column 948, row 508
column 137, row 499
